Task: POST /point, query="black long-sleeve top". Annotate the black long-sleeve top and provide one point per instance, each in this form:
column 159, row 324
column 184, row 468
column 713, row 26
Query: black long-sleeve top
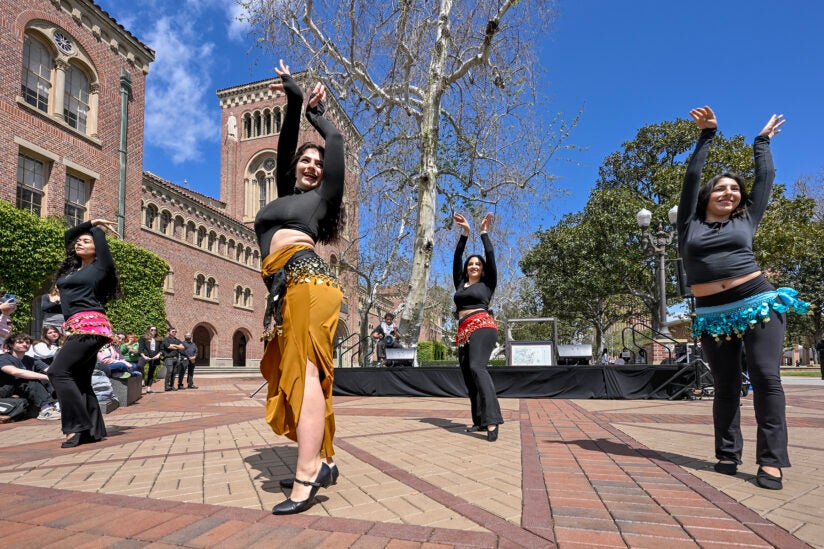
column 86, row 288
column 302, row 211
column 144, row 347
column 720, row 250
column 479, row 294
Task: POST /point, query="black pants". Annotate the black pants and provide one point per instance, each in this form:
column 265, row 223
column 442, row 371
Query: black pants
column 763, row 345
column 473, row 359
column 186, row 367
column 173, row 366
column 153, row 365
column 71, row 376
column 36, row 392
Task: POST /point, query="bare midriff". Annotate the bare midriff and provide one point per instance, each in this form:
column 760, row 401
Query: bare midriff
column 289, row 237
column 462, row 314
column 718, row 286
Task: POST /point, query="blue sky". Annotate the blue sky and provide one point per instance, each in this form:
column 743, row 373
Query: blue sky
column 628, row 63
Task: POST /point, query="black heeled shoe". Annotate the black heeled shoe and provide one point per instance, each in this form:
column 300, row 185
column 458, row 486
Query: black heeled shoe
column 289, row 483
column 768, row 481
column 726, row 468
column 492, row 434
column 473, row 429
column 290, row 507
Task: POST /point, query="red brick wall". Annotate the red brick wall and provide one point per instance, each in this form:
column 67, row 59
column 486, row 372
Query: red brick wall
column 32, row 126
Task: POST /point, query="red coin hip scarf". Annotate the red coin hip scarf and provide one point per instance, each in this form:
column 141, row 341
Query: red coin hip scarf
column 472, row 322
column 89, row 323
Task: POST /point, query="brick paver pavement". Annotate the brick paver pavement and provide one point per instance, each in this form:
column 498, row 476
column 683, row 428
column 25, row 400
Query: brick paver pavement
column 201, row 469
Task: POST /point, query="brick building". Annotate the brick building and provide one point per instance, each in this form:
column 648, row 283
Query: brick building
column 69, row 73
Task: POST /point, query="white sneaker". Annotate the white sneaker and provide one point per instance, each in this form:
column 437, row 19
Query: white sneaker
column 49, row 414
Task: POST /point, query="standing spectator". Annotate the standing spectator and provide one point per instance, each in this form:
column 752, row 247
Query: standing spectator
column 150, row 351
column 819, row 347
column 87, row 281
column 605, row 357
column 188, row 356
column 171, row 350
column 46, row 347
column 25, row 376
column 52, row 311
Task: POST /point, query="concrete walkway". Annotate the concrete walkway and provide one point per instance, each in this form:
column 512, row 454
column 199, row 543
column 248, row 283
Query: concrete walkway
column 199, row 468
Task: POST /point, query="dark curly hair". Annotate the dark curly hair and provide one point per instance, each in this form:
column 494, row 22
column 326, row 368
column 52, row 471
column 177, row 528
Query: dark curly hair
column 707, row 188
column 73, row 262
column 331, row 227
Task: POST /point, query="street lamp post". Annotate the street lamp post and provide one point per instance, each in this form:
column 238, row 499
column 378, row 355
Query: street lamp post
column 655, row 243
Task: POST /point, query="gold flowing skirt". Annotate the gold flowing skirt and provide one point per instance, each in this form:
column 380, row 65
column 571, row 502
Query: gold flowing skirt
column 310, row 319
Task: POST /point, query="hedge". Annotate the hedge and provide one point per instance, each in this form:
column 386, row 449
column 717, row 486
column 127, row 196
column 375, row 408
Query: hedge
column 32, row 249
column 429, row 351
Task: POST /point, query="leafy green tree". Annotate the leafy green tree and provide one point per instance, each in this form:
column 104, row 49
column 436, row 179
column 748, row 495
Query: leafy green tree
column 34, row 248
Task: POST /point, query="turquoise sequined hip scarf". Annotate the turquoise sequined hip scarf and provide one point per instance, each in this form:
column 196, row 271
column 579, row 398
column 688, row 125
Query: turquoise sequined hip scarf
column 736, row 317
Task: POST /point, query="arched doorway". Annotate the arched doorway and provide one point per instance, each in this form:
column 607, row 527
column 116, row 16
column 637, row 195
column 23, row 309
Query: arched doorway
column 342, row 343
column 202, row 337
column 239, row 340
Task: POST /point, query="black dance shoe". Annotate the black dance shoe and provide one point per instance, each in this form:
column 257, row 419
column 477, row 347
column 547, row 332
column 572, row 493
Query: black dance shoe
column 288, row 483
column 473, row 429
column 79, row 438
column 290, row 507
column 726, row 468
column 768, row 481
column 492, row 434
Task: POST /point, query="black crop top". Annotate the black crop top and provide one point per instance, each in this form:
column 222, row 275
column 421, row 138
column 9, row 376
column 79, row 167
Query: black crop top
column 719, row 250
column 302, row 211
column 86, row 288
column 479, row 294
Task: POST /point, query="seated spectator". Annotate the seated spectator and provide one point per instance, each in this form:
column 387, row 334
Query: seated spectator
column 130, row 349
column 109, row 355
column 24, row 376
column 46, row 347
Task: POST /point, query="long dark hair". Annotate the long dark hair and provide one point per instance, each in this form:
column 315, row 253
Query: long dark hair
column 111, row 285
column 331, row 227
column 707, row 188
column 465, row 274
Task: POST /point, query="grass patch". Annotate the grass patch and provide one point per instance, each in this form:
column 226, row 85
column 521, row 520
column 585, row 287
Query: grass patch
column 803, row 373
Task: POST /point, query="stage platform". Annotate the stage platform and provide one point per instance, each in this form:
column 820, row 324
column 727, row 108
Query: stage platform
column 609, row 382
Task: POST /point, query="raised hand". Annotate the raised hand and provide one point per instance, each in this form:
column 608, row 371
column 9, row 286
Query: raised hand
column 704, row 117
column 486, row 222
column 462, row 223
column 318, row 94
column 103, row 223
column 773, row 126
column 283, row 69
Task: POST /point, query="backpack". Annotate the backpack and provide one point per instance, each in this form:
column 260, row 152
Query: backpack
column 13, row 407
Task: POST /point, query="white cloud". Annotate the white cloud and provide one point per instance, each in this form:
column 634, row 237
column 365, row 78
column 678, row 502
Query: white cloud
column 176, row 106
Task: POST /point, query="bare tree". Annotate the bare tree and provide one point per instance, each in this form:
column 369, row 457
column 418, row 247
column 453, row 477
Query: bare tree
column 454, row 79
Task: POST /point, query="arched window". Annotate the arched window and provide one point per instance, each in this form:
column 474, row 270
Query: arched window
column 211, row 288
column 230, row 249
column 190, row 232
column 221, row 245
column 256, row 130
column 261, row 179
column 210, row 245
column 239, row 253
column 247, row 125
column 36, row 79
column 247, row 298
column 76, row 100
column 200, row 285
column 201, row 236
column 151, row 215
column 278, row 121
column 256, row 259
column 165, row 222
column 248, row 256
column 267, row 122
column 238, row 295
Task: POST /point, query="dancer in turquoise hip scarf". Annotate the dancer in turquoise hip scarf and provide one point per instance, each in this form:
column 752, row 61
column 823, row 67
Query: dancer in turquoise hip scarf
column 737, row 309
